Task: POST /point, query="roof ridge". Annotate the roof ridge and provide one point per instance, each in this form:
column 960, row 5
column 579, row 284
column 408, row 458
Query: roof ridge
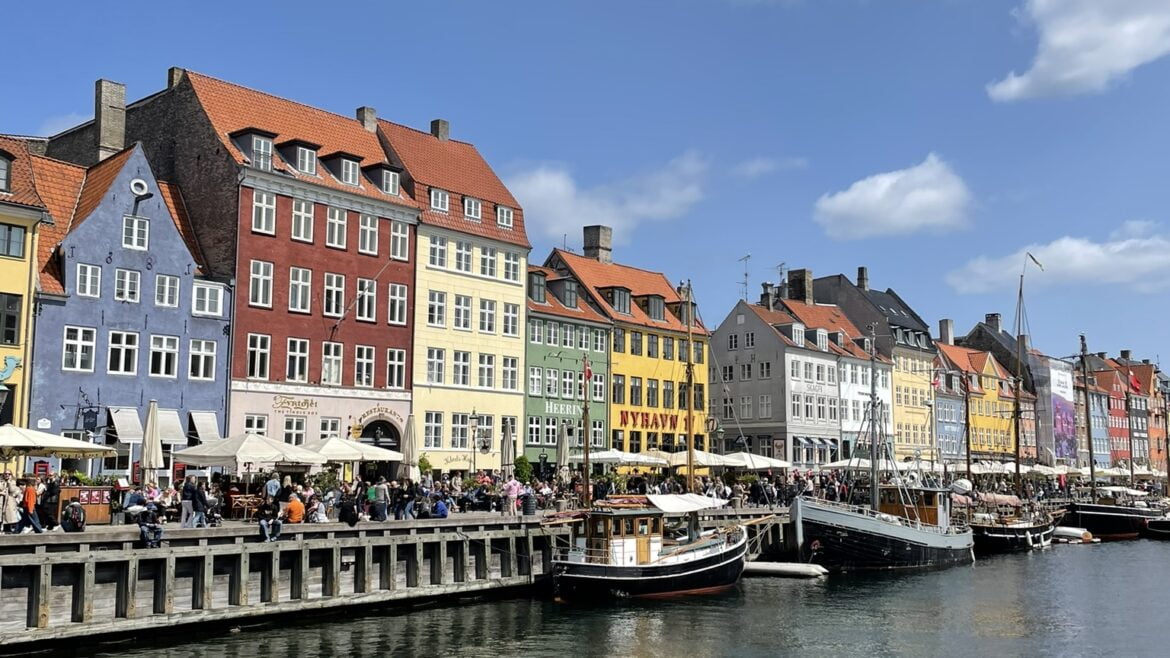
column 270, row 95
column 59, row 161
column 426, row 133
column 632, row 267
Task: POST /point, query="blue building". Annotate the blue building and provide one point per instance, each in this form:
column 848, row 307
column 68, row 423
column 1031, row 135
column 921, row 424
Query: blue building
column 124, row 316
column 1099, row 413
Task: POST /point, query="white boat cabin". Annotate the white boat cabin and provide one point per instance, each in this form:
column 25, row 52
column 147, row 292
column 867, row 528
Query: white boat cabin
column 927, row 506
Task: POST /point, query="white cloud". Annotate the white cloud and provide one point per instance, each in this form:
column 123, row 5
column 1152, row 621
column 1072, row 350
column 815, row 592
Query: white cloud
column 556, row 205
column 53, row 125
column 1087, row 44
column 1136, row 254
column 926, row 197
column 753, row 168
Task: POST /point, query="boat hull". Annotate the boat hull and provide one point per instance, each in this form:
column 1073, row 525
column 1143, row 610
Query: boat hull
column 1109, row 522
column 992, row 538
column 1157, row 528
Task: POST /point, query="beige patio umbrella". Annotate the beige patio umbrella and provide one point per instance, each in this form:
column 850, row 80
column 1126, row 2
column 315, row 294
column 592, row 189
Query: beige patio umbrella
column 23, row 442
column 247, row 452
column 409, row 466
column 754, row 462
column 339, row 450
column 152, row 454
column 507, row 453
column 702, row 459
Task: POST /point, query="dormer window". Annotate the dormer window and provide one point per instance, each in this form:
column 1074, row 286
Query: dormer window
column 798, row 334
column 262, row 152
column 504, row 217
column 5, row 173
column 306, row 160
column 569, row 293
column 390, row 182
column 656, row 307
column 439, row 199
column 349, row 171
column 822, row 340
column 472, row 208
column 536, row 287
column 621, row 300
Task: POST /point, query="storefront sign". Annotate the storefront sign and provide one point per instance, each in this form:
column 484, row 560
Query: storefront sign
column 645, row 420
column 562, row 408
column 288, row 403
column 380, row 410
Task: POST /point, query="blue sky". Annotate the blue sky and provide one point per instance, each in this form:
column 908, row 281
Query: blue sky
column 932, row 141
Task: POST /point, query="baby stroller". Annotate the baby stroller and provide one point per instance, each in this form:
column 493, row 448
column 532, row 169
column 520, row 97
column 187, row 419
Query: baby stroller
column 214, row 512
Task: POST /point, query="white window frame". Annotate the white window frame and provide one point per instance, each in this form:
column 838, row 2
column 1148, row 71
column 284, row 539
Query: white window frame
column 332, row 363
column 433, row 429
column 303, row 214
column 306, row 160
column 437, row 256
column 333, row 302
column 263, row 212
column 461, row 309
column 368, row 235
column 486, row 374
column 463, row 255
column 336, row 226
column 260, row 284
column 296, row 360
column 364, row 360
column 128, row 349
column 349, row 171
column 135, row 232
column 397, row 300
column 166, row 290
column 510, row 373
column 367, row 300
column 256, row 424
column 259, row 363
column 511, row 266
column 300, row 290
column 436, row 308
column 201, row 359
column 390, row 182
column 436, row 365
column 395, row 368
column 487, row 316
column 535, row 381
column 504, row 217
column 168, row 347
column 399, row 240
column 440, row 199
column 460, row 368
column 84, row 343
column 127, row 285
column 552, row 383
column 212, row 298
column 330, row 427
column 294, row 429
column 262, row 152
column 511, row 319
column 487, row 261
column 472, row 208
column 535, row 331
column 89, row 280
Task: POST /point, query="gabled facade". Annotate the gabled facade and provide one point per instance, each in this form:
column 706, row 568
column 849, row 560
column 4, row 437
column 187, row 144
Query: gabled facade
column 986, row 388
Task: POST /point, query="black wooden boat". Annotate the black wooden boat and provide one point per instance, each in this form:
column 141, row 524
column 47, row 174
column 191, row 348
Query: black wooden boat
column 1116, row 516
column 1004, row 524
column 1157, row 528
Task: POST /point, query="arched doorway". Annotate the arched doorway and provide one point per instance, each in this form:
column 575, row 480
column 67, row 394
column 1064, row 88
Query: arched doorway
column 382, row 434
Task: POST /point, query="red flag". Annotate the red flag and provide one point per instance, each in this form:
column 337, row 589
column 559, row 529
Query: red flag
column 588, row 371
column 1133, row 382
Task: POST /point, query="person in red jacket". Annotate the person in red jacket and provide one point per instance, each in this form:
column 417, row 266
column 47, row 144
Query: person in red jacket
column 28, row 510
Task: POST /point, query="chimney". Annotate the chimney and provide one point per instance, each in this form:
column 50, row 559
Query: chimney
column 992, row 320
column 863, row 277
column 1101, row 355
column 946, row 331
column 369, row 118
column 109, row 116
column 174, row 76
column 599, row 243
column 1026, row 343
column 441, row 128
column 1125, row 354
column 766, row 297
column 800, row 285
column 1146, row 361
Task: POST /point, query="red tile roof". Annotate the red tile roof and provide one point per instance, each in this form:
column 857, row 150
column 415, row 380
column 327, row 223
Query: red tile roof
column 173, row 197
column 59, row 184
column 553, row 306
column 22, row 191
column 830, row 318
column 97, row 181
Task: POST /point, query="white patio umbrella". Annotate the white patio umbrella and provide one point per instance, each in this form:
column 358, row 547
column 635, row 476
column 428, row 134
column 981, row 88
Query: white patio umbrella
column 248, row 449
column 152, row 454
column 508, row 452
column 863, row 464
column 21, row 441
column 562, row 453
column 753, row 462
column 620, row 458
column 409, row 466
column 702, row 459
column 339, row 450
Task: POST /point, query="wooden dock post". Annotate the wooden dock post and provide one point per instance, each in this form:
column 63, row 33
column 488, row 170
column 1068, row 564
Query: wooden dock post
column 238, row 580
column 362, row 567
column 414, row 560
column 202, row 582
column 388, row 569
column 127, row 589
column 463, row 565
column 439, row 562
column 270, row 576
column 300, row 574
column 164, row 587
column 331, row 573
column 38, row 596
column 83, row 592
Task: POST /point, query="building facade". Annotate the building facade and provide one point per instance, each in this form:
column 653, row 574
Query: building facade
column 990, row 401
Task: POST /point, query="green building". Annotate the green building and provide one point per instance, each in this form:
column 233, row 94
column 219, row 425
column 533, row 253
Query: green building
column 564, row 332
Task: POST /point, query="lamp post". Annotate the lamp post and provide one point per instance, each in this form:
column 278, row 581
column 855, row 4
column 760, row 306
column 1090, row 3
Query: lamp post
column 473, row 439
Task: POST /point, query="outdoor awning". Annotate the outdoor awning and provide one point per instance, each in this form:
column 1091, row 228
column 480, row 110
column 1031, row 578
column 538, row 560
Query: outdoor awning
column 681, row 503
column 170, row 429
column 127, row 424
column 206, row 425
column 802, row 441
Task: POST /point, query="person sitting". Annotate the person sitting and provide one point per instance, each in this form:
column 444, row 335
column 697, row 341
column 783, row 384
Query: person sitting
column 439, row 510
column 269, row 514
column 294, row 512
column 73, row 516
column 149, row 526
column 136, row 497
column 315, row 511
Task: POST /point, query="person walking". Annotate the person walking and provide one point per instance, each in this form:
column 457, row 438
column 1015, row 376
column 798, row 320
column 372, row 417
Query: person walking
column 272, row 487
column 186, row 498
column 10, row 496
column 511, row 493
column 199, row 506
column 381, row 499
column 28, row 510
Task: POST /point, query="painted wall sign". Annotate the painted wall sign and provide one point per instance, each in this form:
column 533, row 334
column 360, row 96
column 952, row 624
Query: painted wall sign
column 380, row 410
column 645, row 420
column 290, row 403
column 562, row 408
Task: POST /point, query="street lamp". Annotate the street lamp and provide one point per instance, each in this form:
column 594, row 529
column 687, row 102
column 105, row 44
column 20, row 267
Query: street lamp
column 474, row 427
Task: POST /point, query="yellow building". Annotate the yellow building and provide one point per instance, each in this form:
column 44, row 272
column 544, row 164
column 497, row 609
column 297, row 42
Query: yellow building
column 649, row 405
column 990, row 402
column 21, row 212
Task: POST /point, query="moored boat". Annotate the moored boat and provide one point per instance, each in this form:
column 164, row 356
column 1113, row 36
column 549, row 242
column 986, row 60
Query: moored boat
column 1003, row 524
column 1117, row 515
column 1157, row 528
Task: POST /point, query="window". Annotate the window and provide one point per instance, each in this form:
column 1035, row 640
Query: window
column 765, row 406
column 433, row 429
column 10, row 319
column 437, row 308
column 77, row 350
column 820, row 373
column 796, row 405
column 438, row 255
column 462, row 256
column 399, row 240
column 533, row 431
column 550, row 431
column 300, row 283
column 487, row 370
column 668, row 395
column 582, row 338
column 652, row 393
column 535, row 331
column 511, row 266
column 504, row 216
column 201, row 364
column 598, row 387
column 765, row 370
column 459, row 427
column 567, row 335
column 487, row 316
column 749, row 339
column 264, row 213
column 166, row 290
column 11, row 237
column 700, row 349
column 728, row 408
column 208, row 299
column 367, row 301
column 820, row 408
column 135, row 232
column 683, row 347
column 636, row 343
column 396, row 314
column 598, row 433
column 258, row 347
column 728, row 373
column 568, row 384
column 599, row 340
column 368, row 235
column 832, row 374
column 833, row 409
column 552, row 382
column 667, row 347
column 652, row 346
column 536, row 287
column 164, row 356
column 656, row 307
column 335, row 227
column 395, row 368
column 699, row 399
column 334, row 294
column 462, row 307
column 390, row 182
column 471, row 208
column 636, row 391
column 745, row 407
column 330, row 428
column 684, row 396
column 511, row 373
column 127, row 285
column 808, row 406
column 535, row 381
column 621, row 300
column 256, row 424
column 262, row 152
column 89, row 280
column 294, row 430
column 619, row 340
column 331, row 355
column 808, row 370
column 363, row 366
column 733, row 341
column 745, row 371
column 123, row 356
column 461, row 368
column 435, row 365
column 487, row 262
column 619, row 390
column 512, row 320
column 297, row 369
column 306, row 160
column 439, row 199
column 5, row 173
column 260, row 284
column 349, row 171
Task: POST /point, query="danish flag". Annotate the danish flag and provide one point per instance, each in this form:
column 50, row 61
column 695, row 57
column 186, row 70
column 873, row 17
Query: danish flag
column 588, row 371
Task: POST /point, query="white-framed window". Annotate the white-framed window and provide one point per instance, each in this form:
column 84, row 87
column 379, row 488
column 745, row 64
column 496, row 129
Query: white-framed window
column 306, row 160
column 472, row 208
column 487, row 262
column 487, row 316
column 550, row 430
column 300, row 289
column 487, row 370
column 583, row 340
column 259, row 346
column 462, row 256
column 535, row 381
column 127, row 285
column 260, row 284
column 89, row 280
column 264, row 212
column 504, row 216
column 262, row 152
column 439, row 199
column 368, row 235
column 166, row 290
column 294, row 430
column 331, row 355
column 256, row 424
column 135, row 232
column 302, row 220
column 436, row 365
column 399, row 240
column 349, row 171
column 569, row 331
column 123, row 353
column 436, row 308
column 396, row 313
column 330, row 428
column 395, row 368
column 511, row 319
column 164, row 356
column 367, row 301
column 552, row 334
column 552, row 379
column 461, row 368
column 459, row 425
column 597, row 437
column 207, row 299
column 438, row 252
column 796, row 401
column 336, row 220
column 201, row 360
column 533, row 436
column 569, row 384
column 297, row 369
column 433, row 429
column 462, row 317
column 535, row 331
column 334, row 301
column 363, row 366
column 599, row 389
column 510, row 373
column 78, row 348
column 599, row 341
column 511, row 266
column 745, row 407
column 390, row 182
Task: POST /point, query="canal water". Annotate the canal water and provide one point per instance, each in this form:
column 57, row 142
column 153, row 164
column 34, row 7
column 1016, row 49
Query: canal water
column 1107, row 599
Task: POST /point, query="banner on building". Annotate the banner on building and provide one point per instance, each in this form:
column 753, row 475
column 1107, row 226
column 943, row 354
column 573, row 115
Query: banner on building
column 1064, row 414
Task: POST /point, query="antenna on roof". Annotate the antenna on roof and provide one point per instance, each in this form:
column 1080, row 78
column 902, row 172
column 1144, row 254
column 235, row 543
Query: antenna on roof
column 744, row 284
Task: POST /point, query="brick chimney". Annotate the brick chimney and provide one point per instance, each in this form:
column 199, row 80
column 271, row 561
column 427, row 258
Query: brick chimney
column 599, row 243
column 174, row 77
column 800, row 285
column 863, row 277
column 441, row 129
column 946, row 331
column 993, row 320
column 1125, row 354
column 766, row 299
column 109, row 117
column 369, row 118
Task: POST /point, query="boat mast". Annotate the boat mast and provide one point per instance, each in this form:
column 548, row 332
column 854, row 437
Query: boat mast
column 586, row 484
column 966, row 381
column 875, row 453
column 1128, row 418
column 1016, row 415
column 1088, row 419
column 689, row 316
